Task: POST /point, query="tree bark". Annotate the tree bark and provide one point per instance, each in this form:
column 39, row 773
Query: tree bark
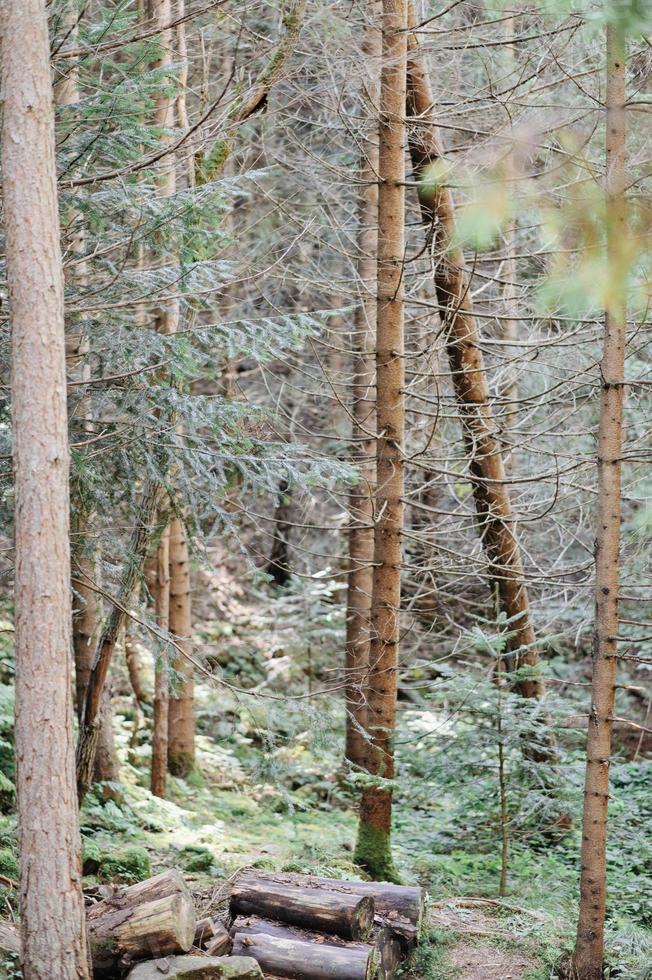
column 275, row 897
column 399, row 908
column 153, row 918
column 373, row 848
column 278, row 566
column 589, row 947
column 161, row 669
column 181, row 719
column 361, row 531
column 387, row 957
column 89, row 729
column 492, row 502
column 52, row 922
column 85, row 606
column 284, row 956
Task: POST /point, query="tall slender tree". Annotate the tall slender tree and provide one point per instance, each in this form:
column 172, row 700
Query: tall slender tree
column 85, row 559
column 486, row 465
column 589, row 948
column 52, row 920
column 361, row 532
column 373, row 848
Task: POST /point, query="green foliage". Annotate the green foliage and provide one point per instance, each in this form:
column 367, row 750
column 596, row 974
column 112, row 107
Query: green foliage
column 194, row 858
column 129, row 865
column 9, row 864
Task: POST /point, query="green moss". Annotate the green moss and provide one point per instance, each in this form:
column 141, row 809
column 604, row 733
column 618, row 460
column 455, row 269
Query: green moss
column 373, row 852
column 91, row 857
column 182, row 764
column 9, row 866
column 196, row 859
column 130, row 865
column 7, row 794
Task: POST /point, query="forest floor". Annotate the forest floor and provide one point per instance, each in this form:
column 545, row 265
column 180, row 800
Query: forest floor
column 270, row 792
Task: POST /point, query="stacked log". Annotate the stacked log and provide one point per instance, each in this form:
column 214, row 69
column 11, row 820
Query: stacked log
column 303, row 927
column 153, row 918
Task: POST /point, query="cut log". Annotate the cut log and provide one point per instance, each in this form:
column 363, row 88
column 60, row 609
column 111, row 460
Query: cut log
column 221, row 943
column 297, row 903
column 153, row 918
column 204, row 932
column 198, row 968
column 388, row 949
column 291, row 958
column 397, row 907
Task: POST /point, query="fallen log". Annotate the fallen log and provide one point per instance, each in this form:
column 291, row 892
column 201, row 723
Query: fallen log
column 388, row 949
column 152, row 918
column 282, row 956
column 296, row 903
column 9, row 938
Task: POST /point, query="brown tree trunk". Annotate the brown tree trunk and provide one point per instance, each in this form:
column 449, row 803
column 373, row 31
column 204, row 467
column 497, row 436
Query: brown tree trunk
column 181, row 720
column 361, row 531
column 486, row 464
column 278, row 566
column 161, row 669
column 86, row 606
column 89, row 728
column 373, row 848
column 589, row 948
column 52, row 909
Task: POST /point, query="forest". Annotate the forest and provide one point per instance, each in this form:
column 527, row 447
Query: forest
column 326, row 489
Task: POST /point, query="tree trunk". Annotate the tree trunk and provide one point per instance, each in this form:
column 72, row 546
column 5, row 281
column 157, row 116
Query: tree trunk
column 181, row 720
column 589, row 948
column 161, row 669
column 284, row 956
column 275, row 897
column 361, row 531
column 86, row 606
column 373, row 848
column 486, row 465
column 153, row 918
column 278, row 566
column 89, row 728
column 52, row 922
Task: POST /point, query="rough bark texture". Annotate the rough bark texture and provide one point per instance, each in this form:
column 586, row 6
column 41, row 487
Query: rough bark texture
column 397, row 907
column 589, row 948
column 89, row 729
column 278, row 566
column 161, row 683
column 181, row 720
column 373, row 849
column 486, row 466
column 153, row 918
column 52, row 923
column 385, row 952
column 86, row 606
column 361, row 531
column 284, row 956
column 275, row 897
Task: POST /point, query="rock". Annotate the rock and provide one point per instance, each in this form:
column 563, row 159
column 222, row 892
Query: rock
column 91, row 857
column 198, row 968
